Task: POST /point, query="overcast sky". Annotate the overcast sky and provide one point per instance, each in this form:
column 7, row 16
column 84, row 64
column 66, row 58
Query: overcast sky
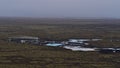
column 60, row 8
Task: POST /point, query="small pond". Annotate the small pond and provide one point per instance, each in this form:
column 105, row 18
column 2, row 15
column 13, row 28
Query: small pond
column 54, row 44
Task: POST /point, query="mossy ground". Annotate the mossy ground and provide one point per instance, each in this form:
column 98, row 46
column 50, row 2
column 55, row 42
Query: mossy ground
column 14, row 55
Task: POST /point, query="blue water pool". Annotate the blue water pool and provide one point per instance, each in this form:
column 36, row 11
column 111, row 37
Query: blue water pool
column 54, row 44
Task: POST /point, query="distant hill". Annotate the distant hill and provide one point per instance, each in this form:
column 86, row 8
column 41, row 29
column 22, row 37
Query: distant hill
column 8, row 20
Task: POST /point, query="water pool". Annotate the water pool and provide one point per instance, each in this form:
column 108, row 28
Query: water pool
column 54, row 44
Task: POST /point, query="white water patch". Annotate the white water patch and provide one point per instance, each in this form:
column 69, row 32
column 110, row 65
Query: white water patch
column 78, row 48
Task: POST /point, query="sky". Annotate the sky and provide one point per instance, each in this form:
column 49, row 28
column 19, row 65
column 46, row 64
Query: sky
column 60, row 8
